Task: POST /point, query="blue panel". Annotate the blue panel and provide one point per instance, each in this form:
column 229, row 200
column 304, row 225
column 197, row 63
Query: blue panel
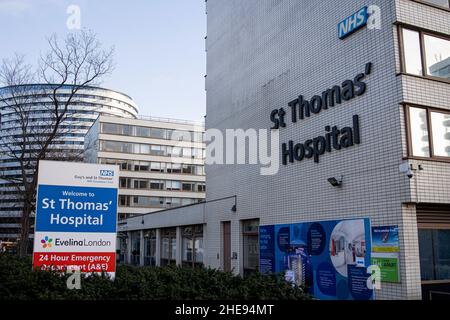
column 76, row 209
column 353, row 23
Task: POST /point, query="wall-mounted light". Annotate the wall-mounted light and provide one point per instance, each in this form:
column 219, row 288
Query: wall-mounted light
column 335, row 182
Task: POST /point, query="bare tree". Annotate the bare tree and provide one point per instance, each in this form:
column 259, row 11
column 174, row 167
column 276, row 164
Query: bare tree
column 41, row 116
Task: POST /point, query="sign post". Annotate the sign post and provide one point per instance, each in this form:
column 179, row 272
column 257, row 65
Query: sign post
column 76, row 217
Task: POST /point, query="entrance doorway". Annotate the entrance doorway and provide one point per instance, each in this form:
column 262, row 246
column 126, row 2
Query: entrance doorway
column 433, row 222
column 226, row 227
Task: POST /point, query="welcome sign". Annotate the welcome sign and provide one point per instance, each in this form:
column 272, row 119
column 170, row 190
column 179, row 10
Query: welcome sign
column 76, row 217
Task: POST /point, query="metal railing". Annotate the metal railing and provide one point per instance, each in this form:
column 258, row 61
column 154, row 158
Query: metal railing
column 170, row 120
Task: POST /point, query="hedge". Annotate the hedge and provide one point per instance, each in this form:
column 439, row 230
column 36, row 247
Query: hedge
column 19, row 281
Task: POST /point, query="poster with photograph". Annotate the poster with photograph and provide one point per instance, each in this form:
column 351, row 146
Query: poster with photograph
column 329, row 257
column 385, row 252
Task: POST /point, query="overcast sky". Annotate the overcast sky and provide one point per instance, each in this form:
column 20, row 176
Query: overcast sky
column 159, row 45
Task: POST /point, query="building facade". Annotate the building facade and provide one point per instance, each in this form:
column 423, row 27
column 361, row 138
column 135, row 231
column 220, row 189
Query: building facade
column 87, row 104
column 370, row 81
column 161, row 161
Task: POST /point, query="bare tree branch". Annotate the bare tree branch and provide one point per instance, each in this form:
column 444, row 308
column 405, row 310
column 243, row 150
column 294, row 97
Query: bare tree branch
column 37, row 118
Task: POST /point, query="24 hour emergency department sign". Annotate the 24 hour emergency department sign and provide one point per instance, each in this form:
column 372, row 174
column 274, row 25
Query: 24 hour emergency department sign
column 76, row 217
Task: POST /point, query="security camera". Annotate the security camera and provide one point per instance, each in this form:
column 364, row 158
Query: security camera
column 409, row 173
column 407, row 169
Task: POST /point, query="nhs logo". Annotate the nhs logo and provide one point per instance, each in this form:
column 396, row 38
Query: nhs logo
column 106, row 173
column 353, row 23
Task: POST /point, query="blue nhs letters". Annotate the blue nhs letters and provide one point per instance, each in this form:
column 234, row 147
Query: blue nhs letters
column 353, row 23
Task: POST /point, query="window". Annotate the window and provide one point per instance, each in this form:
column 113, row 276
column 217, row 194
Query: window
column 174, row 168
column 135, row 247
column 142, row 132
column 425, row 54
column 173, row 185
column 111, row 128
column 419, row 132
column 155, row 167
column 192, row 246
column 158, row 133
column 157, row 150
column 145, row 149
column 157, row 185
column 250, row 245
column 440, row 124
column 188, row 169
column 434, row 247
column 428, row 133
column 168, row 246
column 150, row 248
column 143, row 166
column 187, row 186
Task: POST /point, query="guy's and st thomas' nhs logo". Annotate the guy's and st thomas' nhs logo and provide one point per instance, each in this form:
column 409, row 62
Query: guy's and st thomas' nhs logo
column 46, row 242
column 106, row 173
column 353, row 23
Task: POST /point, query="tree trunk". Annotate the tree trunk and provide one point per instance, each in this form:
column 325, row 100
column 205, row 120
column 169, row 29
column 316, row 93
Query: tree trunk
column 25, row 229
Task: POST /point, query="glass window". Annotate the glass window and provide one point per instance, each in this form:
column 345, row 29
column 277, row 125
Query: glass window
column 187, row 186
column 157, row 185
column 157, row 150
column 158, row 133
column 168, row 246
column 174, row 168
column 173, row 185
column 198, row 137
column 150, row 247
column 419, row 132
column 186, row 201
column 440, row 123
column 127, row 130
column 145, row 149
column 155, row 167
column 422, row 49
column 142, row 132
column 192, row 245
column 143, row 166
column 411, row 48
column 250, row 245
column 437, row 56
column 135, row 247
column 176, row 152
column 187, row 152
column 111, row 128
column 188, row 169
column 434, row 248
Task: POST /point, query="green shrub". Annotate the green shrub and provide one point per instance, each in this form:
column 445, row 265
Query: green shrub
column 19, row 281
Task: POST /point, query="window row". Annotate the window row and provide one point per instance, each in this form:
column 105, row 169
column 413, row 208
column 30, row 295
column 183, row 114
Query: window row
column 152, row 184
column 155, row 150
column 425, row 54
column 160, row 167
column 155, row 202
column 192, row 249
column 156, row 133
column 428, row 132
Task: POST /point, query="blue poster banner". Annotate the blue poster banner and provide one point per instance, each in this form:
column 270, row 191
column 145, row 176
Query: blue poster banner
column 329, row 257
column 76, row 209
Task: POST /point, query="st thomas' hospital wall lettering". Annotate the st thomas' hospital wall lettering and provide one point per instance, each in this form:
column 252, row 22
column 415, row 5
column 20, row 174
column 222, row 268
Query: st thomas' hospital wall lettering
column 334, row 137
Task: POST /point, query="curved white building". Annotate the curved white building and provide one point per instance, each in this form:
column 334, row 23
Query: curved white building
column 86, row 105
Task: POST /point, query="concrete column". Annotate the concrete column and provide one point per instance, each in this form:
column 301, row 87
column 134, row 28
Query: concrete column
column 128, row 255
column 158, row 247
column 205, row 263
column 179, row 247
column 141, row 249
